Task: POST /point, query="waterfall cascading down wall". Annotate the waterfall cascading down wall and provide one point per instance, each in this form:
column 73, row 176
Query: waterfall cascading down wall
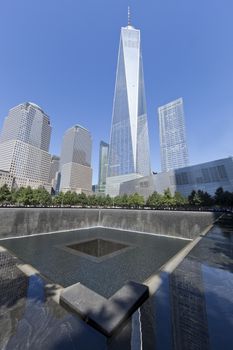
column 27, row 221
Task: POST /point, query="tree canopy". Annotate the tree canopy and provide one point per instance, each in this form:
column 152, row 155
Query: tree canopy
column 40, row 197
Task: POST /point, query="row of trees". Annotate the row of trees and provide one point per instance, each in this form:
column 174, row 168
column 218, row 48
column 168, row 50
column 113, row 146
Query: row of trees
column 40, row 197
column 195, row 199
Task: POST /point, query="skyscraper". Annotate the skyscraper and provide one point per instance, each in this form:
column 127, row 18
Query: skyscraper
column 54, row 169
column 103, row 165
column 173, row 147
column 76, row 171
column 129, row 142
column 24, row 145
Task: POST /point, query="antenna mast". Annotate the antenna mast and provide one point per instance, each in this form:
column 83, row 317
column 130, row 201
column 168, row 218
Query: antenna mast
column 129, row 17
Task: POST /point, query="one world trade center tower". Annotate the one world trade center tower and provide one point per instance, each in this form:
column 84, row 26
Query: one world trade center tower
column 129, row 156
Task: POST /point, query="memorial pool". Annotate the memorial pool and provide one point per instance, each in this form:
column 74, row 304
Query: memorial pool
column 140, row 256
column 191, row 307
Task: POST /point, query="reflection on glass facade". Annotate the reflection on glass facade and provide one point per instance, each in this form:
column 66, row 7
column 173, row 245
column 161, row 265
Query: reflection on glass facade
column 174, row 152
column 54, row 169
column 103, row 165
column 28, row 123
column 76, row 146
column 76, row 171
column 129, row 142
column 189, row 317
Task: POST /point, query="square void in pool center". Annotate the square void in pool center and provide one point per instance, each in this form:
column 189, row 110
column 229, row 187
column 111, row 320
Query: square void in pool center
column 97, row 247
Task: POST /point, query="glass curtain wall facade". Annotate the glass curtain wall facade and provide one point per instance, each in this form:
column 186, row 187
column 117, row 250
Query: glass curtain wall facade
column 76, row 171
column 103, row 166
column 76, row 146
column 54, row 169
column 28, row 123
column 173, row 147
column 129, row 141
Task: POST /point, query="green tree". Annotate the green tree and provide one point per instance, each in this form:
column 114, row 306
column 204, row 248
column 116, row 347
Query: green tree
column 73, row 198
column 41, row 197
column 219, row 196
column 200, row 198
column 227, row 199
column 230, row 199
column 136, row 201
column 121, row 201
column 205, row 198
column 180, row 200
column 70, row 198
column 82, row 199
column 124, row 200
column 105, row 201
column 5, row 194
column 100, row 200
column 154, row 200
column 24, row 196
column 194, row 198
column 117, row 201
column 191, row 197
column 108, row 202
column 93, row 200
column 58, row 199
column 167, row 199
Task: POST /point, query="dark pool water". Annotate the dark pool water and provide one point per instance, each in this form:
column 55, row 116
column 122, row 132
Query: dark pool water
column 140, row 256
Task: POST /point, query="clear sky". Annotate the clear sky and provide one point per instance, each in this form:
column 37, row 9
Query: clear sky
column 62, row 55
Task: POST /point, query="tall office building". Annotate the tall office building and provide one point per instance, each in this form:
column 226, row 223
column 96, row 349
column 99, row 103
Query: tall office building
column 173, row 147
column 129, row 142
column 103, row 166
column 76, row 171
column 54, row 169
column 24, row 145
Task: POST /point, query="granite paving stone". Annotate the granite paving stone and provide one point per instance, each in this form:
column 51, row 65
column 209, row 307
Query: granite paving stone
column 106, row 315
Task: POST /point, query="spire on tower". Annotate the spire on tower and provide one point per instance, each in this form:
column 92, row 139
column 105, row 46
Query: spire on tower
column 129, row 16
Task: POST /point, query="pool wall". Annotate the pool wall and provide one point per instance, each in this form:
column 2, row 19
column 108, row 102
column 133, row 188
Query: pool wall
column 27, row 221
column 185, row 224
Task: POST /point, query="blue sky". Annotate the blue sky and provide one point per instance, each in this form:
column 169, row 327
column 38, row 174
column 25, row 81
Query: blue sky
column 62, row 55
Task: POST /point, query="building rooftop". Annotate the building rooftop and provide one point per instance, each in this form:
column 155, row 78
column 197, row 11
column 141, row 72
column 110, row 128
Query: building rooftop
column 76, row 127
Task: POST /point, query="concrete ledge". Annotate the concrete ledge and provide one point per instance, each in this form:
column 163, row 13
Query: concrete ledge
column 82, row 300
column 106, row 315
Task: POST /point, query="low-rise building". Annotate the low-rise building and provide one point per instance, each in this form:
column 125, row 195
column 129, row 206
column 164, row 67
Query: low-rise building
column 206, row 177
